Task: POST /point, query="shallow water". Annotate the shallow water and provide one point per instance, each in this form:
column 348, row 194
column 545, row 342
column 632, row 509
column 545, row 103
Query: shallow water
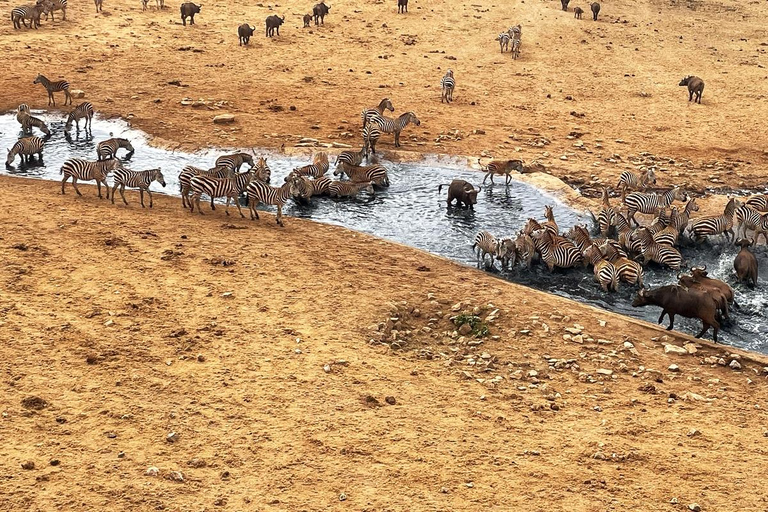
column 412, row 212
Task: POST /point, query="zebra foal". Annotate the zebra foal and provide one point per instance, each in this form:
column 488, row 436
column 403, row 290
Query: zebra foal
column 52, row 87
column 349, row 189
column 82, row 111
column 107, row 149
column 395, row 126
column 447, row 85
column 86, row 170
column 26, row 147
column 485, row 245
column 28, row 12
column 136, row 179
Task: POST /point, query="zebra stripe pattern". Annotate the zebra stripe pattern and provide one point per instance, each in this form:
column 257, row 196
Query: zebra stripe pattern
column 260, row 192
column 503, row 40
column 373, row 173
column 229, row 187
column 626, row 240
column 318, row 167
column 26, row 147
column 28, row 122
column 57, row 5
column 107, row 149
column 349, row 188
column 749, row 218
column 715, row 225
column 136, row 179
column 447, row 84
column 28, row 12
column 661, row 254
column 378, row 110
column 234, row 161
column 52, row 87
column 525, row 249
column 631, row 181
column 629, row 271
column 651, row 203
column 82, row 111
column 371, row 135
column 308, row 187
column 606, row 273
column 353, row 158
column 185, row 176
column 516, row 48
column 759, row 202
column 550, row 224
column 554, row 255
column 86, row 170
column 395, row 126
column 485, row 244
column 504, row 167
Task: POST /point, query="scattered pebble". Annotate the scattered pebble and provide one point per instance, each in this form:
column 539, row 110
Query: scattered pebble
column 28, row 465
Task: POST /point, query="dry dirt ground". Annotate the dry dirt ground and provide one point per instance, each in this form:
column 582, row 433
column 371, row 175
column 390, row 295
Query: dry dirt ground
column 253, row 344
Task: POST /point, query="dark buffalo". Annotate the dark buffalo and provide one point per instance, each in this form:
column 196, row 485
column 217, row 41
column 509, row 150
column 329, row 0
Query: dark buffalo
column 691, row 283
column 319, row 11
column 577, row 12
column 677, row 300
column 402, row 6
column 188, row 10
column 565, row 3
column 463, row 192
column 245, row 31
column 695, row 86
column 700, row 275
column 595, row 10
column 273, row 23
column 746, row 264
column 307, row 19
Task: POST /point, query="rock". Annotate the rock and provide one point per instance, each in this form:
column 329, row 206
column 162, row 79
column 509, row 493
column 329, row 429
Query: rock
column 152, row 471
column 327, row 368
column 735, row 365
column 176, row 476
column 674, row 349
column 710, row 360
column 172, row 437
column 465, row 329
column 55, row 462
column 342, row 497
column 34, row 402
column 673, row 368
column 200, row 358
column 226, row 295
column 693, row 433
column 77, row 93
column 599, row 456
column 109, row 323
column 604, row 371
column 691, row 348
column 390, row 400
column 578, row 339
column 224, row 119
column 694, row 507
column 533, row 373
column 28, row 465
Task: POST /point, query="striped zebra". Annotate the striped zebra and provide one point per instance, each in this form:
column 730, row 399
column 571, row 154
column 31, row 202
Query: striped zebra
column 28, row 122
column 372, row 112
column 373, row 173
column 554, row 255
column 136, row 179
column 625, row 232
column 307, row 187
column 395, row 126
column 318, row 167
column 371, row 135
column 759, row 202
column 87, row 170
column 234, row 161
column 82, row 111
column 230, row 187
column 639, row 202
column 580, row 237
column 659, row 222
column 629, row 271
column 515, row 32
column 52, row 87
column 26, row 147
column 349, row 188
column 715, row 225
column 447, row 85
column 531, row 226
column 98, row 4
column 631, row 181
column 661, row 254
column 20, row 14
column 550, row 224
column 503, row 40
column 516, row 43
column 749, row 218
column 525, row 249
column 485, row 245
column 606, row 273
column 507, row 253
column 185, row 176
column 504, row 167
column 353, row 158
column 107, row 149
column 56, row 5
column 260, row 192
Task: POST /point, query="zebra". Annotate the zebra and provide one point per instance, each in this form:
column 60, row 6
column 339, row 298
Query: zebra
column 580, row 237
column 606, row 273
column 515, row 32
column 373, row 173
column 230, row 187
column 98, row 5
column 27, row 122
column 52, row 87
column 354, row 158
column 715, row 225
column 659, row 222
column 56, row 5
column 630, row 180
column 485, row 245
column 625, row 232
column 234, row 161
column 318, row 167
column 28, row 12
column 502, row 167
column 677, row 224
column 349, row 189
column 395, row 126
column 378, row 110
column 550, row 224
column 371, row 135
column 651, row 203
column 554, row 255
column 530, row 226
column 507, row 253
column 185, row 176
column 503, row 40
column 82, row 111
column 136, row 179
column 759, row 202
column 260, row 192
column 749, row 218
column 447, row 85
column 107, row 149
column 516, row 48
column 652, row 251
column 308, row 187
column 26, row 147
column 87, row 170
column 629, row 271
column 525, row 249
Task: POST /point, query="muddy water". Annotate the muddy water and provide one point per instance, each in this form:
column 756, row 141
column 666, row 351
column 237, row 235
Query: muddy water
column 412, row 212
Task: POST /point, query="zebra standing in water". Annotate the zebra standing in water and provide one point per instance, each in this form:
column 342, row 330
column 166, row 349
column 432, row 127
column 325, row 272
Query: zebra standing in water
column 348, row 188
column 318, row 167
column 652, row 251
column 485, row 244
column 374, row 173
column 136, row 179
column 107, row 149
column 27, row 122
column 554, row 255
column 395, row 126
column 721, row 224
column 371, row 135
column 354, row 158
column 638, row 202
column 229, row 187
column 447, row 84
column 606, row 272
column 86, row 170
column 369, row 113
column 52, row 87
column 629, row 271
column 234, row 161
column 749, row 218
column 82, row 111
column 260, row 192
column 26, row 147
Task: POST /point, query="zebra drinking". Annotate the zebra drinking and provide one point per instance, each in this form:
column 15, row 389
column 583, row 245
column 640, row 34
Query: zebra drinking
column 82, row 111
column 107, row 149
column 26, row 147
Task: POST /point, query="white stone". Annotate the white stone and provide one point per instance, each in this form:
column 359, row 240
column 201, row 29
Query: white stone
column 674, row 349
column 224, row 118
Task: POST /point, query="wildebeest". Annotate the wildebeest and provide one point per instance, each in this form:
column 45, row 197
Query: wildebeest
column 695, row 86
column 273, row 23
column 595, row 7
column 402, row 6
column 745, row 264
column 319, row 11
column 188, row 10
column 676, row 300
column 244, row 32
column 463, row 192
column 307, row 19
column 577, row 12
column 564, row 3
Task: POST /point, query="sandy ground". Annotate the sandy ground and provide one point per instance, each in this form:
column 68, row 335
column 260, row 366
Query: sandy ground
column 131, row 324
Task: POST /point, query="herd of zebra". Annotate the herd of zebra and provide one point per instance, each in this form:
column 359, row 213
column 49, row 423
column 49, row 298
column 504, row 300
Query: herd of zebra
column 616, row 259
column 511, row 40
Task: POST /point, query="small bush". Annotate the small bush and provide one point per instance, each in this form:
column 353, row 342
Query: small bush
column 479, row 328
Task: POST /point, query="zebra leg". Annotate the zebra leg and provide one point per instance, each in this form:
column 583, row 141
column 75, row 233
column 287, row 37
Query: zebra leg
column 279, row 218
column 252, row 208
column 62, row 184
column 67, row 96
column 74, row 184
column 226, row 207
column 507, row 179
column 150, row 198
column 196, row 197
column 212, row 206
column 239, row 210
column 397, row 139
column 114, row 187
column 141, row 196
column 50, row 97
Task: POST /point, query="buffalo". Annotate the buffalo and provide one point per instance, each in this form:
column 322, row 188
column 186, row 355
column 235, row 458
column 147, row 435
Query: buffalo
column 695, row 87
column 307, row 19
column 677, row 300
column 691, row 283
column 245, row 31
column 463, row 192
column 402, row 6
column 565, row 3
column 273, row 23
column 595, row 7
column 188, row 10
column 746, row 264
column 319, row 11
